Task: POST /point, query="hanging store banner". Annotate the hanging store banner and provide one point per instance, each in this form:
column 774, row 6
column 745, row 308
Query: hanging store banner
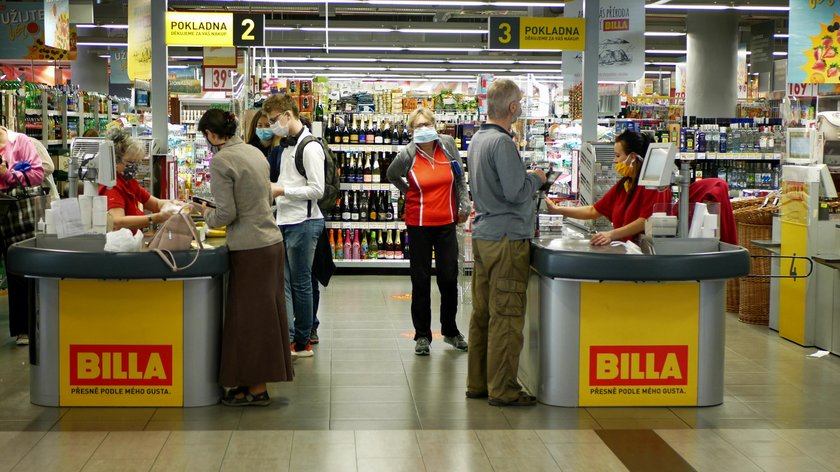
column 537, row 33
column 649, row 359
column 199, row 29
column 813, row 55
column 57, row 24
column 621, row 41
column 22, row 34
column 119, row 67
column 225, row 57
column 132, row 355
column 761, row 46
column 680, row 78
column 140, row 39
column 742, row 71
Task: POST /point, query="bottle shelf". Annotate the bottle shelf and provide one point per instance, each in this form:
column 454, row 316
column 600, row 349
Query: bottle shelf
column 730, row 156
column 366, row 225
column 380, row 186
column 373, row 263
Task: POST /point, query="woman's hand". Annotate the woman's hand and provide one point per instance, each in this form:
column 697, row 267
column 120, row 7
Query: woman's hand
column 277, row 191
column 552, row 207
column 3, row 168
column 601, row 239
column 462, row 218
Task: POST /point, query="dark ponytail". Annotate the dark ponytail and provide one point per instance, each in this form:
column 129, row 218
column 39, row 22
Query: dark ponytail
column 221, row 122
column 638, row 143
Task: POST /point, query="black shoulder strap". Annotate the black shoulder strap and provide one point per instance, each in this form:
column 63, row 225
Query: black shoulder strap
column 299, row 154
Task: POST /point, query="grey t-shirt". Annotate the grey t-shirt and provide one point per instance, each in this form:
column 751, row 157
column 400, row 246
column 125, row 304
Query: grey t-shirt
column 503, row 192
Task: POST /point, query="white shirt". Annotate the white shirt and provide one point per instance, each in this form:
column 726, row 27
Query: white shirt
column 292, row 207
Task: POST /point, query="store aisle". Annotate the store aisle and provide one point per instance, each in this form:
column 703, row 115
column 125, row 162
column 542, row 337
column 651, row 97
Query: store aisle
column 366, row 402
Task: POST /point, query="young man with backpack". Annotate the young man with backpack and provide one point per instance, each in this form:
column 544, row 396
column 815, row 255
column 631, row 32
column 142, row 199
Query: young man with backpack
column 299, row 182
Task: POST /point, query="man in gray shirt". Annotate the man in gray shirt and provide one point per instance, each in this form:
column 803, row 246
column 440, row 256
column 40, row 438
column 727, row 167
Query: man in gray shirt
column 504, row 194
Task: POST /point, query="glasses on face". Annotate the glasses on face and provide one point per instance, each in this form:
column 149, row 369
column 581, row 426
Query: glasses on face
column 272, row 120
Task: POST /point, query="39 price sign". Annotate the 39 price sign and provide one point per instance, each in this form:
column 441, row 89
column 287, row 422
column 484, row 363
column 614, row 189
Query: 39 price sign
column 218, row 79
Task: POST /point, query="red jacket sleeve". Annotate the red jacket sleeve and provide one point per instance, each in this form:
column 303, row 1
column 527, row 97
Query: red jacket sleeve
column 606, row 204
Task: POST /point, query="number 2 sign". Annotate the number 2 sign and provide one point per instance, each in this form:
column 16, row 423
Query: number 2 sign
column 218, row 79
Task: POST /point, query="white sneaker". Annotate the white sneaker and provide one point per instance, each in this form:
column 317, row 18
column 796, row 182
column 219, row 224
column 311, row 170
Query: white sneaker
column 22, row 340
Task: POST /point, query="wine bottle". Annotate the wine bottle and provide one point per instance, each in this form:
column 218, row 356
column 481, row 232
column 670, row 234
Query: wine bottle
column 373, row 206
column 406, row 249
column 401, row 207
column 354, row 212
column 362, row 132
column 377, row 177
column 373, row 248
column 345, row 168
column 348, row 246
column 395, row 136
column 363, row 207
column 370, row 134
column 339, row 247
column 332, row 243
column 368, row 172
column 328, row 130
column 389, row 207
column 357, row 246
column 345, row 133
column 359, row 169
column 380, row 254
column 398, row 249
column 389, row 247
column 345, row 206
column 377, row 135
column 405, row 138
column 354, row 133
column 363, row 248
column 386, row 134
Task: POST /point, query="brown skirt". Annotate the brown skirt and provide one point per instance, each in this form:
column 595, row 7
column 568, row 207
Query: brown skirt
column 255, row 341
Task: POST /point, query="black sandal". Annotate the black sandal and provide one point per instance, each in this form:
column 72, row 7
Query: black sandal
column 234, row 391
column 248, row 399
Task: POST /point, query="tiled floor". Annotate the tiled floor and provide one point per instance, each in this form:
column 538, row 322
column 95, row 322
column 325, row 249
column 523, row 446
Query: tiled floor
column 366, row 403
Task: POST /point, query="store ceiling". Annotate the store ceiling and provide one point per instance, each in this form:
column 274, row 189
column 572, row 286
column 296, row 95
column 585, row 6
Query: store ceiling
column 375, row 37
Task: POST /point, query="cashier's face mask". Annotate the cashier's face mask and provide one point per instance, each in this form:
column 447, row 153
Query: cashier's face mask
column 624, row 169
column 130, row 170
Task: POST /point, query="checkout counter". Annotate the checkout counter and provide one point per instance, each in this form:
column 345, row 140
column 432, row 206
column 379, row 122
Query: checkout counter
column 122, row 329
column 608, row 328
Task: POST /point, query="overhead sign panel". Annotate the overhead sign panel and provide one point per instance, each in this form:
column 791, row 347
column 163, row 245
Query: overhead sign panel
column 537, row 33
column 248, row 30
column 199, row 29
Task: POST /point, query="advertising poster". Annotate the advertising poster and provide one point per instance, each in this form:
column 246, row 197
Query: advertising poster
column 185, row 81
column 140, row 39
column 742, row 71
column 813, row 44
column 22, row 34
column 119, row 67
column 621, row 41
column 57, row 24
column 680, row 77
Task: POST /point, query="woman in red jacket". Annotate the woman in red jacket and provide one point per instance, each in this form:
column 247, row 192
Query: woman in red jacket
column 626, row 205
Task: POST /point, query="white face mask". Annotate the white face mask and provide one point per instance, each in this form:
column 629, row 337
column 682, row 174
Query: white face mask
column 279, row 129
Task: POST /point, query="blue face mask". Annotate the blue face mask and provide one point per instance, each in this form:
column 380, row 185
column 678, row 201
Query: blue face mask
column 425, row 135
column 265, row 134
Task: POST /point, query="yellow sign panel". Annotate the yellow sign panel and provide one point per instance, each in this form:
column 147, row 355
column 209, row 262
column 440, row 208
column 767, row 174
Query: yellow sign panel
column 140, row 39
column 121, row 343
column 552, row 33
column 199, row 29
column 638, row 344
column 792, row 292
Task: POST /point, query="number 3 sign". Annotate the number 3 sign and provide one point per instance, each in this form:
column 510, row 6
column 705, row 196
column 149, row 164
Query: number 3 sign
column 218, row 79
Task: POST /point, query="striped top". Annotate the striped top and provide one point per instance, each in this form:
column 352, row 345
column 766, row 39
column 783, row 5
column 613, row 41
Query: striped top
column 430, row 200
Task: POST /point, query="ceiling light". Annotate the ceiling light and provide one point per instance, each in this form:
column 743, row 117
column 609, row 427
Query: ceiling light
column 760, row 8
column 370, row 69
column 524, row 50
column 441, row 31
column 479, row 61
column 527, row 4
column 669, row 6
column 417, row 69
column 659, row 72
column 452, row 76
column 294, row 47
column 661, row 63
column 282, row 59
column 781, row 36
column 540, row 62
column 663, row 33
column 421, row 49
column 345, row 59
column 300, row 67
column 103, row 44
column 451, row 79
column 665, row 51
column 480, row 70
column 365, row 48
column 187, row 58
column 279, row 28
column 539, row 71
column 171, row 66
column 102, row 26
column 454, row 3
column 347, row 30
column 779, row 53
column 424, row 61
column 105, row 56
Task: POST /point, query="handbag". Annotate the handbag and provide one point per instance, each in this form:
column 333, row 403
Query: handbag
column 20, row 209
column 176, row 234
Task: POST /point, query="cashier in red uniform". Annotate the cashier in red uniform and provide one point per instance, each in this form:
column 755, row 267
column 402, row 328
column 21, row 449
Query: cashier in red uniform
column 125, row 198
column 626, row 205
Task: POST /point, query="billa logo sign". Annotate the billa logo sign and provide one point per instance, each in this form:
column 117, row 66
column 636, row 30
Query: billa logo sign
column 133, row 365
column 615, row 25
column 638, row 365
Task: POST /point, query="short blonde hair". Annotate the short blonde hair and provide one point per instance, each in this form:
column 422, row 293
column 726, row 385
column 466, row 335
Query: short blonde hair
column 282, row 104
column 124, row 144
column 424, row 112
column 500, row 94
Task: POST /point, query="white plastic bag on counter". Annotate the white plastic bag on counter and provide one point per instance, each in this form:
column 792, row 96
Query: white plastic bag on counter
column 123, row 240
column 172, row 207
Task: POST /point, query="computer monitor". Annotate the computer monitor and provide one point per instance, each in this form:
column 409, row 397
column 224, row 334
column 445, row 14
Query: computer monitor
column 106, row 167
column 658, row 165
column 801, row 143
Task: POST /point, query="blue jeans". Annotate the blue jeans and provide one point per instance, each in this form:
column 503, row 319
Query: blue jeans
column 300, row 240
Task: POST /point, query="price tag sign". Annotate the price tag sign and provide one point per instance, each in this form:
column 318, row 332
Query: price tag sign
column 218, row 79
column 802, row 90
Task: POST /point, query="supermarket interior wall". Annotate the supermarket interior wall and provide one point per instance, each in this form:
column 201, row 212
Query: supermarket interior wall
column 90, row 72
column 712, row 44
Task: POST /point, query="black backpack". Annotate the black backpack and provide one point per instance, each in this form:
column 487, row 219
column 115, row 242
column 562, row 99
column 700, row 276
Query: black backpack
column 331, row 182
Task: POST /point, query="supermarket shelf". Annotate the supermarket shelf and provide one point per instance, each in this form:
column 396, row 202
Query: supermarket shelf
column 372, row 147
column 368, row 186
column 55, row 142
column 730, row 156
column 378, row 225
column 39, row 112
column 76, row 114
column 373, row 263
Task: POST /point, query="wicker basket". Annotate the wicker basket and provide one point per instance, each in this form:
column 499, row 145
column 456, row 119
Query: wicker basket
column 755, row 300
column 733, row 295
column 746, row 203
column 755, row 215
